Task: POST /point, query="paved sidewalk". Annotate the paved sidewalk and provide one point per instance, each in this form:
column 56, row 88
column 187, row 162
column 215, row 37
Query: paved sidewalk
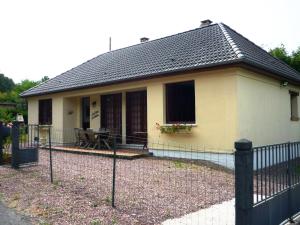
column 10, row 217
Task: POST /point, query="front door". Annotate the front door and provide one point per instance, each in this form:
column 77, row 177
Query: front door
column 111, row 114
column 85, row 112
column 136, row 116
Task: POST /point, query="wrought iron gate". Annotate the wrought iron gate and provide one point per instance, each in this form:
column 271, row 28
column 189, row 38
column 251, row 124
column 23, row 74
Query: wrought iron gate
column 25, row 142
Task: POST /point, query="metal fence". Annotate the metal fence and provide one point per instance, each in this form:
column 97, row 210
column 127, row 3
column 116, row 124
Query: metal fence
column 164, row 183
column 152, row 182
column 267, row 183
column 24, row 144
column 277, row 169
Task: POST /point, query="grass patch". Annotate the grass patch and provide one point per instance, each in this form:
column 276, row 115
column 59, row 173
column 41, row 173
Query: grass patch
column 108, row 200
column 114, row 221
column 95, row 222
column 44, row 223
column 56, row 184
column 179, row 165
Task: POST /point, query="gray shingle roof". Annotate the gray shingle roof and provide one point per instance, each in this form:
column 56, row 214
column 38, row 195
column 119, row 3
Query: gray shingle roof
column 216, row 44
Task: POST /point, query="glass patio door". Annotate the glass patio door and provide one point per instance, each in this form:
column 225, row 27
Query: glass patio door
column 136, row 116
column 111, row 114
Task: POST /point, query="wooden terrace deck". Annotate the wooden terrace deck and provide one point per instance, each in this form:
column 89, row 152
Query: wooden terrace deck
column 120, row 153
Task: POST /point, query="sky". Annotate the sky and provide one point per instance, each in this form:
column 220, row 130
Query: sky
column 48, row 37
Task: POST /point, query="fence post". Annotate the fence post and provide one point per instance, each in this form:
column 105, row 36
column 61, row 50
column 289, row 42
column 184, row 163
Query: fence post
column 50, row 154
column 243, row 182
column 289, row 169
column 15, row 145
column 114, row 173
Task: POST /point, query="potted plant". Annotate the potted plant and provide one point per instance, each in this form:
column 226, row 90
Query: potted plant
column 174, row 128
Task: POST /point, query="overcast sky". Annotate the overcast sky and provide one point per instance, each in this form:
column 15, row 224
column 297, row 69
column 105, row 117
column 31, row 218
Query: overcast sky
column 48, row 37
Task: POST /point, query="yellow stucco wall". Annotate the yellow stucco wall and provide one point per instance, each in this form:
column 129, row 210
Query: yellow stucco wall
column 215, row 99
column 33, row 110
column 216, row 109
column 264, row 110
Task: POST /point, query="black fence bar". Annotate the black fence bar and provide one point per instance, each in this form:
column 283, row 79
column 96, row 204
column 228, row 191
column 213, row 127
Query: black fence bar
column 289, row 175
column 114, row 173
column 50, row 154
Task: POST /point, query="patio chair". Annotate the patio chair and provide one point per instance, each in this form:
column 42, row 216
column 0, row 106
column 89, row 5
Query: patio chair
column 92, row 141
column 83, row 138
column 77, row 136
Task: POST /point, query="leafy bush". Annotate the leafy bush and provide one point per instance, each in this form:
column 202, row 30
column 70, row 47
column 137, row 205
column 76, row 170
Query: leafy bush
column 8, row 115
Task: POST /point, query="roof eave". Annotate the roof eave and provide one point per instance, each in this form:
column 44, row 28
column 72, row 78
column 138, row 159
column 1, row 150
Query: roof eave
column 238, row 62
column 142, row 77
column 269, row 72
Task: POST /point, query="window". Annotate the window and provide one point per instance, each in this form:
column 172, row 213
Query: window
column 294, row 105
column 180, row 102
column 45, row 112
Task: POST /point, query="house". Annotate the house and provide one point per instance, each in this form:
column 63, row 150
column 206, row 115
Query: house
column 212, row 78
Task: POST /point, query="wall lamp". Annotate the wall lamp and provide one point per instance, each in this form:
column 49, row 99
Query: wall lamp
column 284, row 83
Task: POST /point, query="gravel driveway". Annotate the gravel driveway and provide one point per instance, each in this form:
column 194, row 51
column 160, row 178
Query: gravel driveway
column 148, row 190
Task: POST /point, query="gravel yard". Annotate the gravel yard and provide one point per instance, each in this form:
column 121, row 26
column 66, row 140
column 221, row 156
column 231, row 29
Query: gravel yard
column 148, row 190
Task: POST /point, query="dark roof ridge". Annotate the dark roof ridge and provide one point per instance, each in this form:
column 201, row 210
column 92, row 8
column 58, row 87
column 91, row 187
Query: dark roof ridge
column 278, row 60
column 233, row 45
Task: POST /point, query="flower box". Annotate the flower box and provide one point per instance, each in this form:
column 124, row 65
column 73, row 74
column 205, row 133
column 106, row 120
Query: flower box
column 175, row 128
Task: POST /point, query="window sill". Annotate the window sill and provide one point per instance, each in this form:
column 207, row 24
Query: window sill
column 294, row 118
column 44, row 126
column 181, row 124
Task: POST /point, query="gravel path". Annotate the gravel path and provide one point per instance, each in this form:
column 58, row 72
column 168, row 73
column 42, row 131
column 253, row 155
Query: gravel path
column 148, row 190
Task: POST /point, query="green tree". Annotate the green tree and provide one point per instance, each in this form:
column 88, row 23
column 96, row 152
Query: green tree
column 6, row 84
column 13, row 96
column 25, row 85
column 295, row 62
column 45, row 78
column 292, row 59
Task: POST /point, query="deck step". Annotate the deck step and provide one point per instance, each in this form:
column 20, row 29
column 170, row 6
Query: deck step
column 120, row 154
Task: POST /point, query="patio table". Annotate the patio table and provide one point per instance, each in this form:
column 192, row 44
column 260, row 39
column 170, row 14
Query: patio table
column 102, row 136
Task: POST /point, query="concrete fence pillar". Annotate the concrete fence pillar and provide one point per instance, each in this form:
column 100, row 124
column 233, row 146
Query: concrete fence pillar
column 15, row 145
